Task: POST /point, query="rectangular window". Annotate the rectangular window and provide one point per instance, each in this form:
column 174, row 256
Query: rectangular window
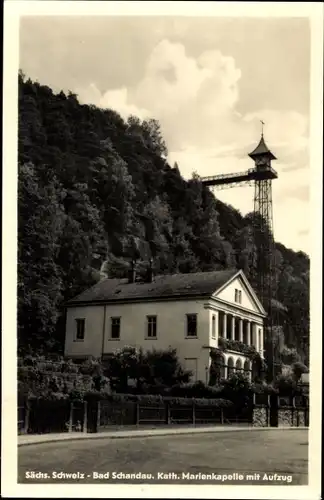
column 191, row 325
column 80, row 329
column 238, row 296
column 115, row 328
column 151, row 327
column 214, row 326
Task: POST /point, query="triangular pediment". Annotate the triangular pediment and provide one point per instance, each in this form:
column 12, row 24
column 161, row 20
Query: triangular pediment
column 247, row 299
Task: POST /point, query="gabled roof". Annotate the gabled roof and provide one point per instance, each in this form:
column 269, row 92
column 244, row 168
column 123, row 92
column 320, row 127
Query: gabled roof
column 262, row 149
column 202, row 284
column 240, row 274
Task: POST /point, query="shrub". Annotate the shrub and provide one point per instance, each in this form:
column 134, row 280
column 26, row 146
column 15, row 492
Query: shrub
column 49, row 366
column 298, row 369
column 237, row 388
column 75, row 395
column 149, row 399
column 217, row 403
column 145, row 388
column 29, row 361
column 286, row 386
column 263, row 388
column 28, row 373
column 195, row 390
column 236, row 345
column 237, row 382
column 156, row 368
column 286, row 370
column 49, row 396
column 69, row 367
column 289, row 356
column 91, row 367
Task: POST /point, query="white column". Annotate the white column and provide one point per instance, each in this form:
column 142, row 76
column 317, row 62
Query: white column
column 262, row 336
column 216, row 326
column 241, row 329
column 261, row 342
column 224, row 325
column 256, row 337
column 248, row 332
column 211, row 313
column 233, row 328
column 253, row 340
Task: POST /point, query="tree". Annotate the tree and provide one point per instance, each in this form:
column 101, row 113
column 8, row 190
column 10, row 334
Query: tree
column 149, row 134
column 165, row 368
column 298, row 370
column 158, row 230
column 244, row 250
column 153, row 136
column 40, row 222
column 111, row 185
column 286, row 385
column 122, row 366
column 184, row 258
column 82, row 241
column 289, row 356
column 153, row 368
column 237, row 388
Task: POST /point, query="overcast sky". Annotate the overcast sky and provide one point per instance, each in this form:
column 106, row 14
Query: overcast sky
column 208, row 81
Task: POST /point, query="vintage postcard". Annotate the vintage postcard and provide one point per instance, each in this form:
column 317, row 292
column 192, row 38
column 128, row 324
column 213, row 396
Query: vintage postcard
column 162, row 204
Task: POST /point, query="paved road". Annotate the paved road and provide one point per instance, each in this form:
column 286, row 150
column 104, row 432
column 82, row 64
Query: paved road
column 172, row 458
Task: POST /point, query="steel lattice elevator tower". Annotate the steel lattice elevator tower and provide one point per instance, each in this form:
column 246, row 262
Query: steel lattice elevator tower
column 264, row 266
column 263, row 278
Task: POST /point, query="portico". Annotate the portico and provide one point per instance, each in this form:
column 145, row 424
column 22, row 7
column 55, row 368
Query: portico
column 237, row 327
column 236, row 319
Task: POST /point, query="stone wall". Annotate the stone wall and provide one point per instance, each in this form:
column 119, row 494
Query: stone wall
column 260, row 416
column 299, row 418
column 288, row 416
column 285, row 417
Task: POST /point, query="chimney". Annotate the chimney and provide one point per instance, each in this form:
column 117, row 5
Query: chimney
column 150, row 273
column 132, row 272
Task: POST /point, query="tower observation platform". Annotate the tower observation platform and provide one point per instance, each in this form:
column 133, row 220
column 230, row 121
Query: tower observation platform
column 262, row 171
column 251, row 175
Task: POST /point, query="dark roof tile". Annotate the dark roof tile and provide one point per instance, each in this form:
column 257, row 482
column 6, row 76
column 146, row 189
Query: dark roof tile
column 170, row 285
column 262, row 149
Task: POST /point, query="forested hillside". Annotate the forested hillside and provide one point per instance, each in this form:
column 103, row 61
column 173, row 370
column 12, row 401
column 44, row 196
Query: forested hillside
column 95, row 191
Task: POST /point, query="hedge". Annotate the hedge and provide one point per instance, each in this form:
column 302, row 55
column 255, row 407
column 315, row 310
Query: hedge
column 195, row 390
column 153, row 400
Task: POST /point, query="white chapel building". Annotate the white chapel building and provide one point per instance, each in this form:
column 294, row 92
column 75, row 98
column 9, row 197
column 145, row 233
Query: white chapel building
column 192, row 313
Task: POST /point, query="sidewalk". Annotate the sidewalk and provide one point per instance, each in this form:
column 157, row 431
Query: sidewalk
column 133, row 432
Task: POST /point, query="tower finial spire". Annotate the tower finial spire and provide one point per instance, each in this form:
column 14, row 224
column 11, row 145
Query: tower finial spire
column 262, row 125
